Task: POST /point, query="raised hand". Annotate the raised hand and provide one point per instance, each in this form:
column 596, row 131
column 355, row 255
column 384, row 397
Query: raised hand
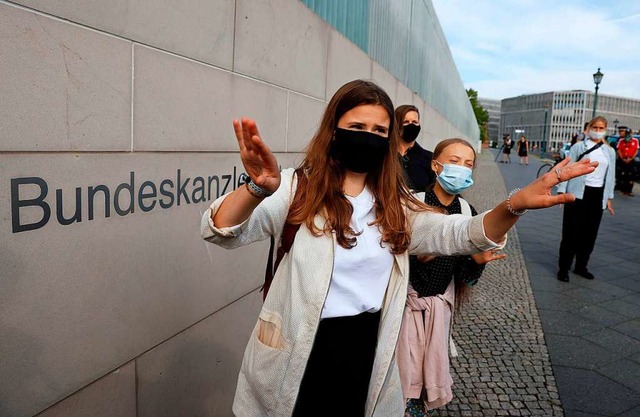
column 538, row 193
column 258, row 160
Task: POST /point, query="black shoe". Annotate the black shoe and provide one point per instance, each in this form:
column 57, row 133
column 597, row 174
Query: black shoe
column 584, row 273
column 563, row 275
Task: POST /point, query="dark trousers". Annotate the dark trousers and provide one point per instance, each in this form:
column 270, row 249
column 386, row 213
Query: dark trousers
column 580, row 224
column 336, row 379
column 625, row 178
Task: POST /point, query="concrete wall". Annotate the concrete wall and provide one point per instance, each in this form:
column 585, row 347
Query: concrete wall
column 120, row 309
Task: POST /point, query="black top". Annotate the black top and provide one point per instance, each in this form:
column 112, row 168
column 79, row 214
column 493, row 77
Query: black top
column 433, row 278
column 416, row 164
column 506, row 147
column 522, row 146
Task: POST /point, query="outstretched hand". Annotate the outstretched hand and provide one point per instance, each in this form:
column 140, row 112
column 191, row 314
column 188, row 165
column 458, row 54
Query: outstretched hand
column 258, row 160
column 538, row 193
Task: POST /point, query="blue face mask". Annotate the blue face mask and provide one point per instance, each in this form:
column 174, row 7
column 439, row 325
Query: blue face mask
column 454, row 179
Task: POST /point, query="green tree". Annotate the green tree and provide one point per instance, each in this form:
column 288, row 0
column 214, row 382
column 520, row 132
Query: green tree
column 482, row 116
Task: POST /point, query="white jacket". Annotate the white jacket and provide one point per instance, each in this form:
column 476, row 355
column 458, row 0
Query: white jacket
column 276, row 355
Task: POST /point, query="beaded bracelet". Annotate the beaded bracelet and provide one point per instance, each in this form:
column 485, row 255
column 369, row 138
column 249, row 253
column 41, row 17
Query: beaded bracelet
column 257, row 191
column 511, row 210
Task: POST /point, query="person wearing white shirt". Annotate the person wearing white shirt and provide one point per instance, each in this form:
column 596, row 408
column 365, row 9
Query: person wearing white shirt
column 324, row 342
column 593, row 192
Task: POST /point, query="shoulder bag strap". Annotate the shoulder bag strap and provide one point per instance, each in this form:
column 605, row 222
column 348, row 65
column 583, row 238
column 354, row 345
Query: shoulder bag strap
column 286, row 241
column 593, row 148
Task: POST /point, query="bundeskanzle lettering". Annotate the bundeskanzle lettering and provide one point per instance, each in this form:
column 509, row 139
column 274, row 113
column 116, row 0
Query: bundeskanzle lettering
column 86, row 203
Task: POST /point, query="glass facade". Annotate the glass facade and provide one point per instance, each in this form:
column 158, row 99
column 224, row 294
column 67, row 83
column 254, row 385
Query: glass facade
column 550, row 119
column 405, row 37
column 493, row 125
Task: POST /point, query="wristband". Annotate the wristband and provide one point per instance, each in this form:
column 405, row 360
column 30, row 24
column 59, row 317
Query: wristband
column 257, row 191
column 511, row 210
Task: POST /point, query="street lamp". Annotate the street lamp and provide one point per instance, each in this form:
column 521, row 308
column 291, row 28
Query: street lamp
column 544, row 129
column 597, row 79
column 615, row 124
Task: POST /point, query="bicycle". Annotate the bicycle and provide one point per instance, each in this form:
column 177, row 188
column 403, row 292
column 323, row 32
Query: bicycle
column 548, row 165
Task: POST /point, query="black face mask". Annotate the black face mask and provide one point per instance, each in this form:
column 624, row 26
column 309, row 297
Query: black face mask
column 359, row 151
column 410, row 132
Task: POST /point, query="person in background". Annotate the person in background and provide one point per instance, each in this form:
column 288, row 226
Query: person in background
column 574, row 139
column 594, row 193
column 415, row 160
column 324, row 342
column 506, row 149
column 627, row 150
column 584, row 134
column 523, row 150
column 436, row 286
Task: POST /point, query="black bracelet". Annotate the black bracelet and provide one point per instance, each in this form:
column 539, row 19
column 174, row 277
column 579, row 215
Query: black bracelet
column 257, row 191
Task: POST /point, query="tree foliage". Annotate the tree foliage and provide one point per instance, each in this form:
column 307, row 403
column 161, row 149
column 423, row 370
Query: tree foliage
column 482, row 116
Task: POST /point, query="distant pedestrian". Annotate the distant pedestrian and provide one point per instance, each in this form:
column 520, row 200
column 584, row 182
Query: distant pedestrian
column 627, row 150
column 506, row 149
column 574, row 139
column 584, row 134
column 594, row 193
column 523, row 150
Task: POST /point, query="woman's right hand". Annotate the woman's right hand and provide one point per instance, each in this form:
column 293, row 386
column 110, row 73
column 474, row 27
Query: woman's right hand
column 258, row 160
column 485, row 257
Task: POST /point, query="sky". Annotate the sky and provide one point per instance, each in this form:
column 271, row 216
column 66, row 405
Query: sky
column 505, row 48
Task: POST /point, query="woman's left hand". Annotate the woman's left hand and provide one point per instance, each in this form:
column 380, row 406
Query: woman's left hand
column 538, row 193
column 426, row 258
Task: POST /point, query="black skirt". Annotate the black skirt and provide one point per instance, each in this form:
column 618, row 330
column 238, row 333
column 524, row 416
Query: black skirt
column 336, row 379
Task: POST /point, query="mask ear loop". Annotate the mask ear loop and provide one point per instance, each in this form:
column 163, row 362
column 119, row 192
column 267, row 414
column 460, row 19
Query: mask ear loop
column 435, row 170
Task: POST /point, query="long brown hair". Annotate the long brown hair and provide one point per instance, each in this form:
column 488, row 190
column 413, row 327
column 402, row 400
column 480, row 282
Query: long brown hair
column 323, row 180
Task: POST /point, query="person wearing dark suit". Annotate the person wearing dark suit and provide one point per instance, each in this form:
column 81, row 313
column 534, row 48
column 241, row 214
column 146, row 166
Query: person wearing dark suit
column 415, row 160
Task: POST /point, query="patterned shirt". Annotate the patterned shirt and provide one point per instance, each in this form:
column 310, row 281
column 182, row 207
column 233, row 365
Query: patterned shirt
column 433, row 277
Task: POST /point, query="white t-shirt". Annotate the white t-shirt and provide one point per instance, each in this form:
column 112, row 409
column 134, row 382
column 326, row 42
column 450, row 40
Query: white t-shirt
column 596, row 178
column 360, row 274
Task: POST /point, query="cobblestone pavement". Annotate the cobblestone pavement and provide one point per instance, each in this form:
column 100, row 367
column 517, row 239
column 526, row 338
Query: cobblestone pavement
column 531, row 345
column 503, row 366
column 591, row 327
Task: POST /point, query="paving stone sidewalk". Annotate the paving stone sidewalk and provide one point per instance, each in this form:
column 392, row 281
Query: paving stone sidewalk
column 592, row 328
column 531, row 345
column 503, row 367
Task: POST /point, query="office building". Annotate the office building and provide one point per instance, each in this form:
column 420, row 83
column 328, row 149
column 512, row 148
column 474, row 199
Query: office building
column 493, row 125
column 550, row 119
